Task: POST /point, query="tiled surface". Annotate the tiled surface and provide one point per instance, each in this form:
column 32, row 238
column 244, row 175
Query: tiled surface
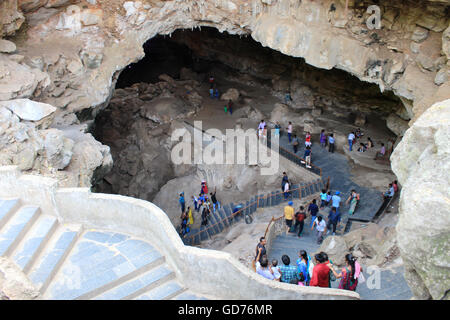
column 161, row 292
column 6, row 206
column 14, row 226
column 98, row 259
column 52, row 256
column 33, row 240
column 134, row 285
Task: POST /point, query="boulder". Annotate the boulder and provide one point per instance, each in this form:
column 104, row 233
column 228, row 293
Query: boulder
column 396, row 124
column 419, row 34
column 360, row 120
column 29, row 110
column 441, row 76
column 7, row 46
column 420, row 161
column 231, row 94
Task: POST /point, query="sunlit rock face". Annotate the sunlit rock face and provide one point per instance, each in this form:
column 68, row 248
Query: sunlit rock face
column 421, row 163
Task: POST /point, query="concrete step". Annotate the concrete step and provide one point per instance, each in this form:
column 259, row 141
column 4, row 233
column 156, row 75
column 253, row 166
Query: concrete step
column 7, row 209
column 164, row 292
column 135, row 287
column 53, row 255
column 16, row 228
column 189, row 295
column 102, row 261
column 35, row 240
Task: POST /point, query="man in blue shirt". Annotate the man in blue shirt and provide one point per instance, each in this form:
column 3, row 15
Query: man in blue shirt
column 313, row 209
column 335, row 201
column 182, row 202
column 333, row 219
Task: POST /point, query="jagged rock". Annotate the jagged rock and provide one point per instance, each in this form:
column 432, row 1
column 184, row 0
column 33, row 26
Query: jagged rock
column 396, row 124
column 29, row 110
column 336, row 249
column 360, row 120
column 419, row 34
column 441, row 76
column 421, row 164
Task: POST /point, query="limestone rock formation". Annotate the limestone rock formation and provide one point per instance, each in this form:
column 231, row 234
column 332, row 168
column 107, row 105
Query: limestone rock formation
column 421, row 163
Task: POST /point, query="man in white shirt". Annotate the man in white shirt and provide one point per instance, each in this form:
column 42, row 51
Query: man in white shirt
column 351, row 137
column 289, row 130
column 321, row 226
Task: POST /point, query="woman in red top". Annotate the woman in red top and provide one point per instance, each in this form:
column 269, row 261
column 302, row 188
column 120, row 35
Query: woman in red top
column 347, row 275
column 321, row 273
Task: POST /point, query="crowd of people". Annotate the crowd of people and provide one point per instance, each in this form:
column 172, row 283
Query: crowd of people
column 317, row 272
column 203, row 204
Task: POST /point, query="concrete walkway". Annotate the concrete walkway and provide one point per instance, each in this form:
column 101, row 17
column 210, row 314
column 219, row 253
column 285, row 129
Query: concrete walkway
column 336, row 166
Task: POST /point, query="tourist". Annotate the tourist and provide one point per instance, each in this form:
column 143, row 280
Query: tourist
column 295, row 143
column 265, row 132
column 331, row 143
column 225, row 108
column 351, row 138
column 190, row 217
column 329, row 197
column 276, row 270
column 195, row 201
column 307, row 156
column 261, row 246
column 381, row 153
column 211, row 93
column 286, row 191
column 288, row 272
column 182, row 202
column 261, row 126
column 323, row 199
column 201, row 200
column 183, row 223
column 216, row 94
column 313, row 209
column 214, row 200
column 301, row 279
column 369, row 143
column 353, row 200
column 289, row 131
column 277, row 128
column 331, row 276
column 230, row 106
column 262, row 267
column 395, row 186
column 289, row 215
column 333, row 220
column 362, row 147
column 303, row 265
column 284, row 180
column 335, row 201
column 204, row 188
column 347, row 274
column 321, row 226
column 321, row 273
column 300, row 217
column 308, row 139
column 390, row 193
column 358, row 133
column 287, row 98
column 205, row 214
column 323, row 138
column 211, row 81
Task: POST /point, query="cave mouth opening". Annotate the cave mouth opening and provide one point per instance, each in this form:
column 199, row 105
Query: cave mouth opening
column 138, row 121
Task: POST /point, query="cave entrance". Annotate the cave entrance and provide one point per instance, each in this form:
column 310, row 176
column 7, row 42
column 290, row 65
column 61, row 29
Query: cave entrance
column 172, row 83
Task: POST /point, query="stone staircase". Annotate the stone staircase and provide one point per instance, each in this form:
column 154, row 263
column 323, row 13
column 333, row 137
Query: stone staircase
column 68, row 262
column 224, row 217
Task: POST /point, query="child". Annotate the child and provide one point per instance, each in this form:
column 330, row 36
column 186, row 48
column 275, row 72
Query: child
column 323, row 198
column 276, row 270
column 308, row 139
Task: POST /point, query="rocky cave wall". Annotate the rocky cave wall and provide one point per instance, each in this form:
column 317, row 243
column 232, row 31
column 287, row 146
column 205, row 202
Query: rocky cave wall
column 69, row 53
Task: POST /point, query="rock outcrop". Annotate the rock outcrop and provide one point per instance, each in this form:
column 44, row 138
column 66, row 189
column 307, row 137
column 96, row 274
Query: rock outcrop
column 421, row 163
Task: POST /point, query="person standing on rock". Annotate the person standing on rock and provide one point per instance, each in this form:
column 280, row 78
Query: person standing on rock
column 331, row 143
column 295, row 143
column 351, row 138
column 353, row 199
column 321, row 226
column 214, row 201
column 289, row 131
column 182, row 202
column 347, row 274
column 321, row 273
column 289, row 215
column 300, row 217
